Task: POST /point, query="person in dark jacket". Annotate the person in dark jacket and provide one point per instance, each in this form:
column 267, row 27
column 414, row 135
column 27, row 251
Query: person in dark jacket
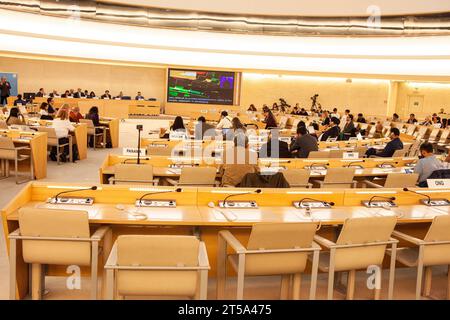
column 93, row 115
column 361, row 118
column 303, row 144
column 257, row 180
column 391, row 146
column 5, row 91
column 269, row 118
column 333, row 131
column 349, row 128
column 274, row 148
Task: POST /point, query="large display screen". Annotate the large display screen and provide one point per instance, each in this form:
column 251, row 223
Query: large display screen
column 202, row 87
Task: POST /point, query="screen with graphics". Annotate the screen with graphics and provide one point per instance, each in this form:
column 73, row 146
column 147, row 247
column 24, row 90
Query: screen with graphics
column 202, row 87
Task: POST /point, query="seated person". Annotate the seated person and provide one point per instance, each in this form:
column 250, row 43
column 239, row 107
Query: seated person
column 62, row 127
column 428, row 163
column 349, row 128
column 303, row 112
column 79, row 94
column 106, row 95
column 43, row 111
column 378, row 130
column 139, row 96
column 396, row 118
column 242, row 161
column 41, row 93
column 75, row 115
column 225, row 121
column 427, row 121
column 15, row 117
column 274, row 148
column 93, row 115
column 391, row 146
column 269, row 118
column 361, row 118
column 333, row 130
column 303, row 144
column 177, row 126
column 203, row 129
column 412, row 119
column 20, row 101
column 252, row 108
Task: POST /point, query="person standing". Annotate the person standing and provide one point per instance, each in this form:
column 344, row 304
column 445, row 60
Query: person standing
column 5, row 90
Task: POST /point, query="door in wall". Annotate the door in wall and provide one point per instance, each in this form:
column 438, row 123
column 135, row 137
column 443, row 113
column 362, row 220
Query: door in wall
column 415, row 104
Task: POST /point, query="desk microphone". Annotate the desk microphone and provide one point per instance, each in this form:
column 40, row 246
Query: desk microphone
column 321, row 201
column 420, row 194
column 318, row 164
column 380, row 197
column 158, row 192
column 388, row 162
column 225, row 201
column 135, row 159
column 69, row 191
column 353, row 162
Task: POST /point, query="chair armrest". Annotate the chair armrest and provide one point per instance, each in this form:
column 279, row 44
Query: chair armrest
column 15, row 234
column 172, row 181
column 371, row 184
column 111, row 263
column 99, row 233
column 231, row 240
column 324, row 242
column 203, row 260
column 22, row 148
column 407, row 238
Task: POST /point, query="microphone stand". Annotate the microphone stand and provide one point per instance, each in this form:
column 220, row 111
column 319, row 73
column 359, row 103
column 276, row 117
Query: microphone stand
column 139, row 128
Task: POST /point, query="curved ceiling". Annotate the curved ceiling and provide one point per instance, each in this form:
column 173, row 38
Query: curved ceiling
column 305, row 8
column 398, row 58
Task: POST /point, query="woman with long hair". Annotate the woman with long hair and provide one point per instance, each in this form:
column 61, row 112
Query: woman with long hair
column 15, row 117
column 237, row 125
column 269, row 119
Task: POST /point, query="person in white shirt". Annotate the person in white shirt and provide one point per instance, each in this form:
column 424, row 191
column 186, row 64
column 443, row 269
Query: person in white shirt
column 225, row 121
column 335, row 113
column 62, row 126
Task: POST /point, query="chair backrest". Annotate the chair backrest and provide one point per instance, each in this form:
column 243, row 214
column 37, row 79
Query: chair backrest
column 160, row 149
column 297, row 178
column 7, row 151
column 283, row 121
column 157, row 251
column 319, row 155
column 401, row 180
column 52, row 139
column 361, row 151
column 438, row 231
column 133, row 173
column 89, row 123
column 35, row 222
column 363, row 231
column 444, row 136
column 410, row 129
column 339, row 177
column 198, row 176
column 433, row 135
column 401, row 152
column 279, row 236
column 3, row 124
column 337, row 154
column 233, row 173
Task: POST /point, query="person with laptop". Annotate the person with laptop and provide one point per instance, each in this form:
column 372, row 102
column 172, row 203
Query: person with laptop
column 428, row 162
column 333, row 130
column 303, row 143
column 392, row 146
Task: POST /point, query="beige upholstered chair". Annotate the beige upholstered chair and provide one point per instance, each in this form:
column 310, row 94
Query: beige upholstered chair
column 432, row 250
column 157, row 265
column 3, row 125
column 272, row 249
column 336, row 154
column 53, row 141
column 361, row 151
column 160, row 149
column 196, row 176
column 319, row 155
column 297, row 178
column 233, row 173
column 92, row 132
column 394, row 180
column 401, row 152
column 9, row 152
column 133, row 174
column 59, row 237
column 337, row 178
column 361, row 243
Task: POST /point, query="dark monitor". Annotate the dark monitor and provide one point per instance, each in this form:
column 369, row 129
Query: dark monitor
column 126, row 98
column 29, row 95
column 152, row 99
